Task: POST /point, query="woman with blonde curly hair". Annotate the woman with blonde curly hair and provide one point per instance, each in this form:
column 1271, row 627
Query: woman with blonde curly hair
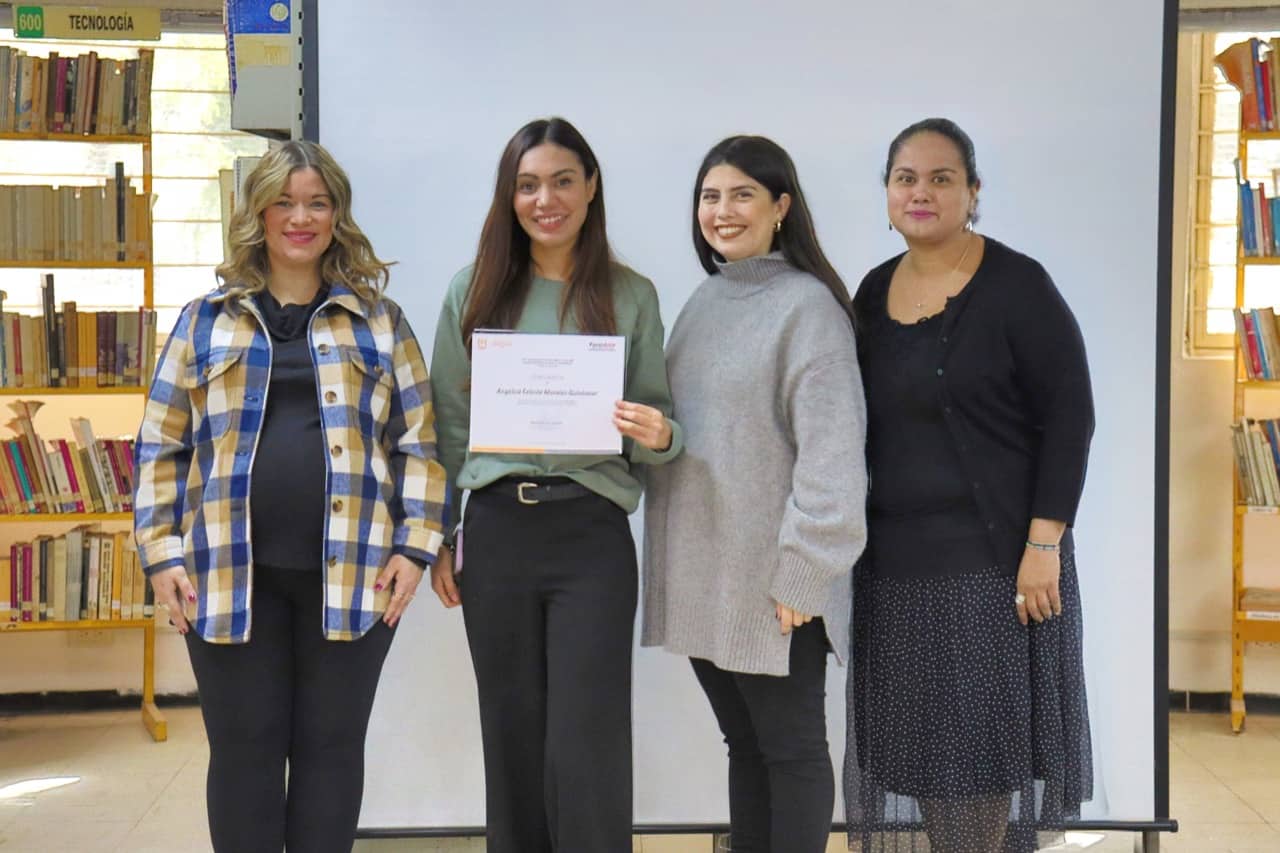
column 288, row 502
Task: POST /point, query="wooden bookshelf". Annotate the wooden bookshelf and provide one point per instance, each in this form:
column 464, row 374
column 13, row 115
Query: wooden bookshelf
column 1251, row 605
column 107, row 139
column 152, row 719
column 63, row 517
column 77, row 390
column 76, row 265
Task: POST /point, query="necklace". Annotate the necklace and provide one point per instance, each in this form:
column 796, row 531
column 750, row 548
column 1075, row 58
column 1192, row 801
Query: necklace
column 968, row 244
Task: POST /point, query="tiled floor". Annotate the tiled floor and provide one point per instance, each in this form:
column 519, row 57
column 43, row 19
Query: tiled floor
column 137, row 797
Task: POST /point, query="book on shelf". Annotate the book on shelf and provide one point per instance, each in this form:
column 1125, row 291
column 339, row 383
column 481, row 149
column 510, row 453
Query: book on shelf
column 1258, row 214
column 1253, row 68
column 1258, row 337
column 75, row 95
column 85, row 573
column 76, row 349
column 1256, row 443
column 42, row 477
column 99, row 223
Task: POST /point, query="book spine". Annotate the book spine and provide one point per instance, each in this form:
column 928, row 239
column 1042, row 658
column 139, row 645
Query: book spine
column 15, row 583
column 28, row 583
column 77, row 495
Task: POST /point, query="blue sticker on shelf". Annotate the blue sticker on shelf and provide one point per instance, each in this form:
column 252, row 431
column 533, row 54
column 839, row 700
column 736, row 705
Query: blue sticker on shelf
column 257, row 16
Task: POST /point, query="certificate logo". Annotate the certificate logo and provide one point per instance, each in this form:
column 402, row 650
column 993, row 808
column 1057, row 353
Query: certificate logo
column 602, row 346
column 482, row 343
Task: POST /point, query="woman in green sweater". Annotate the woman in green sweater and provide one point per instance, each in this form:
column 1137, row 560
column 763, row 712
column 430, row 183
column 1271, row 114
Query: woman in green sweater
column 549, row 589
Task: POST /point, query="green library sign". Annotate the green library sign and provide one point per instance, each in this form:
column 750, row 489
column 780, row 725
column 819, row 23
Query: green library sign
column 86, row 22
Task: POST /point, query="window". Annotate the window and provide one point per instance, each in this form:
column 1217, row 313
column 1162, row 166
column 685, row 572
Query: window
column 192, row 140
column 1213, row 264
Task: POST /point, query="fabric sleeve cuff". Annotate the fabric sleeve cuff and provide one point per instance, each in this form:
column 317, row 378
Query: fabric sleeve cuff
column 645, row 456
column 421, row 559
column 801, row 585
column 417, row 543
column 162, row 554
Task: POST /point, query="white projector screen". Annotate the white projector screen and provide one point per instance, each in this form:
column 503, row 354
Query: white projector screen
column 1063, row 101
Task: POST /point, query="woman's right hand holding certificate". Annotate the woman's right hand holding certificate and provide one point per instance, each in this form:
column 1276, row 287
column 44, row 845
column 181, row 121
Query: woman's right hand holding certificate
column 643, row 424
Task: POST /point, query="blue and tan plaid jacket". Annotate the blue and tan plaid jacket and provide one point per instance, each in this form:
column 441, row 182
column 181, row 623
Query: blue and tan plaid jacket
column 195, row 453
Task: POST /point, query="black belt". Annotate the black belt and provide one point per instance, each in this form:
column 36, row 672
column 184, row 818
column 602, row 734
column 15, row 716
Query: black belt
column 530, row 492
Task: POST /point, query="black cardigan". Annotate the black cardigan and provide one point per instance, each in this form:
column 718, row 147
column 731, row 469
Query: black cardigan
column 1013, row 384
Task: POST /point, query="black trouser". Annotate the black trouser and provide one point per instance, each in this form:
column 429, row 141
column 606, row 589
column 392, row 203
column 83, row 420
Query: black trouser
column 781, row 788
column 549, row 601
column 287, row 696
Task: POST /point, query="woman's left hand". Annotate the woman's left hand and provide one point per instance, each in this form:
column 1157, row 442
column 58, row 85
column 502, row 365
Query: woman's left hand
column 1038, row 585
column 643, row 424
column 402, row 575
column 788, row 618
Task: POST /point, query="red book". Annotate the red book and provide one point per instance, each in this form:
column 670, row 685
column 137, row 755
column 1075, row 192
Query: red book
column 117, row 476
column 15, row 583
column 1236, row 63
column 1264, row 207
column 64, row 451
column 1251, row 338
column 60, row 95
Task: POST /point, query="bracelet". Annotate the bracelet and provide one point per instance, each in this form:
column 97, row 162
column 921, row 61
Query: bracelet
column 1042, row 546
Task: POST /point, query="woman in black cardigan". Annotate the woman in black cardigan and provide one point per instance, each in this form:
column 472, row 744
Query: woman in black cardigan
column 967, row 706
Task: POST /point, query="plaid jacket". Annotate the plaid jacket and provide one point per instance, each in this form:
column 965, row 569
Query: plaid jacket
column 195, row 452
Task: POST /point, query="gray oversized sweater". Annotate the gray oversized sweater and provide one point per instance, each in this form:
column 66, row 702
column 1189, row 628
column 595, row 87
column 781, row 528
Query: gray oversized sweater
column 767, row 502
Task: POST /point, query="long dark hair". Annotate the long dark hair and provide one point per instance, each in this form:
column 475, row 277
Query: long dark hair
column 768, row 163
column 503, row 271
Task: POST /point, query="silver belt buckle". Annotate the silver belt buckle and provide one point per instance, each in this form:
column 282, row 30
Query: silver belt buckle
column 520, row 494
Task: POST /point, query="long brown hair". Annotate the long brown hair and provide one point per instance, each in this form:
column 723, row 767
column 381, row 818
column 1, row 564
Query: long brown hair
column 349, row 260
column 503, row 271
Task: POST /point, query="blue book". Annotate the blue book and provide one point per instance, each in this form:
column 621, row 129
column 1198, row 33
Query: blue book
column 1274, row 438
column 1246, row 221
column 1262, row 348
column 1259, row 91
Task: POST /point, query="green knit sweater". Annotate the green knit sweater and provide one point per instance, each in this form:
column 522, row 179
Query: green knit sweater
column 635, row 305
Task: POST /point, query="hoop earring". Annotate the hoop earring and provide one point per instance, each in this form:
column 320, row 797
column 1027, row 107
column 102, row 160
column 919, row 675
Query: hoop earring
column 777, row 226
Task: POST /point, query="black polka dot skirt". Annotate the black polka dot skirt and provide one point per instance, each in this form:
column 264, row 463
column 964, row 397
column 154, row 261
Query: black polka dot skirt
column 968, row 733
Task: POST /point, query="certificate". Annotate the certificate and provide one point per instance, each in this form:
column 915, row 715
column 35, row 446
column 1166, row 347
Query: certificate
column 545, row 393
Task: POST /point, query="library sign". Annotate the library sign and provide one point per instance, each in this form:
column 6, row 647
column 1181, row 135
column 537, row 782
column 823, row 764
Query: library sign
column 86, row 22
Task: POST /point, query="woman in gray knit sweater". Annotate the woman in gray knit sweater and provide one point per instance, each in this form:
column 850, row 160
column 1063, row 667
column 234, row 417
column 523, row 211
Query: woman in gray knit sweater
column 751, row 534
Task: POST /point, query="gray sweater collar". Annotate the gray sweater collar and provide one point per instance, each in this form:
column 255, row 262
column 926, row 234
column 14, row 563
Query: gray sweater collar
column 756, row 270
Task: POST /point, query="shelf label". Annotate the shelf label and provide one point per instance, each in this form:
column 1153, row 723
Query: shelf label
column 132, row 23
column 1263, row 510
column 1267, row 615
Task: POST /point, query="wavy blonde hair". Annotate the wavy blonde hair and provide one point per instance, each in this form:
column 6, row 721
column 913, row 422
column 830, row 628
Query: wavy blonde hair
column 349, row 260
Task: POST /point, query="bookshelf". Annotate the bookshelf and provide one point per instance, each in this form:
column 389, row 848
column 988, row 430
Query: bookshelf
column 135, row 114
column 1255, row 610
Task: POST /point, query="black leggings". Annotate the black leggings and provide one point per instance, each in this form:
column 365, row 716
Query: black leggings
column 288, row 696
